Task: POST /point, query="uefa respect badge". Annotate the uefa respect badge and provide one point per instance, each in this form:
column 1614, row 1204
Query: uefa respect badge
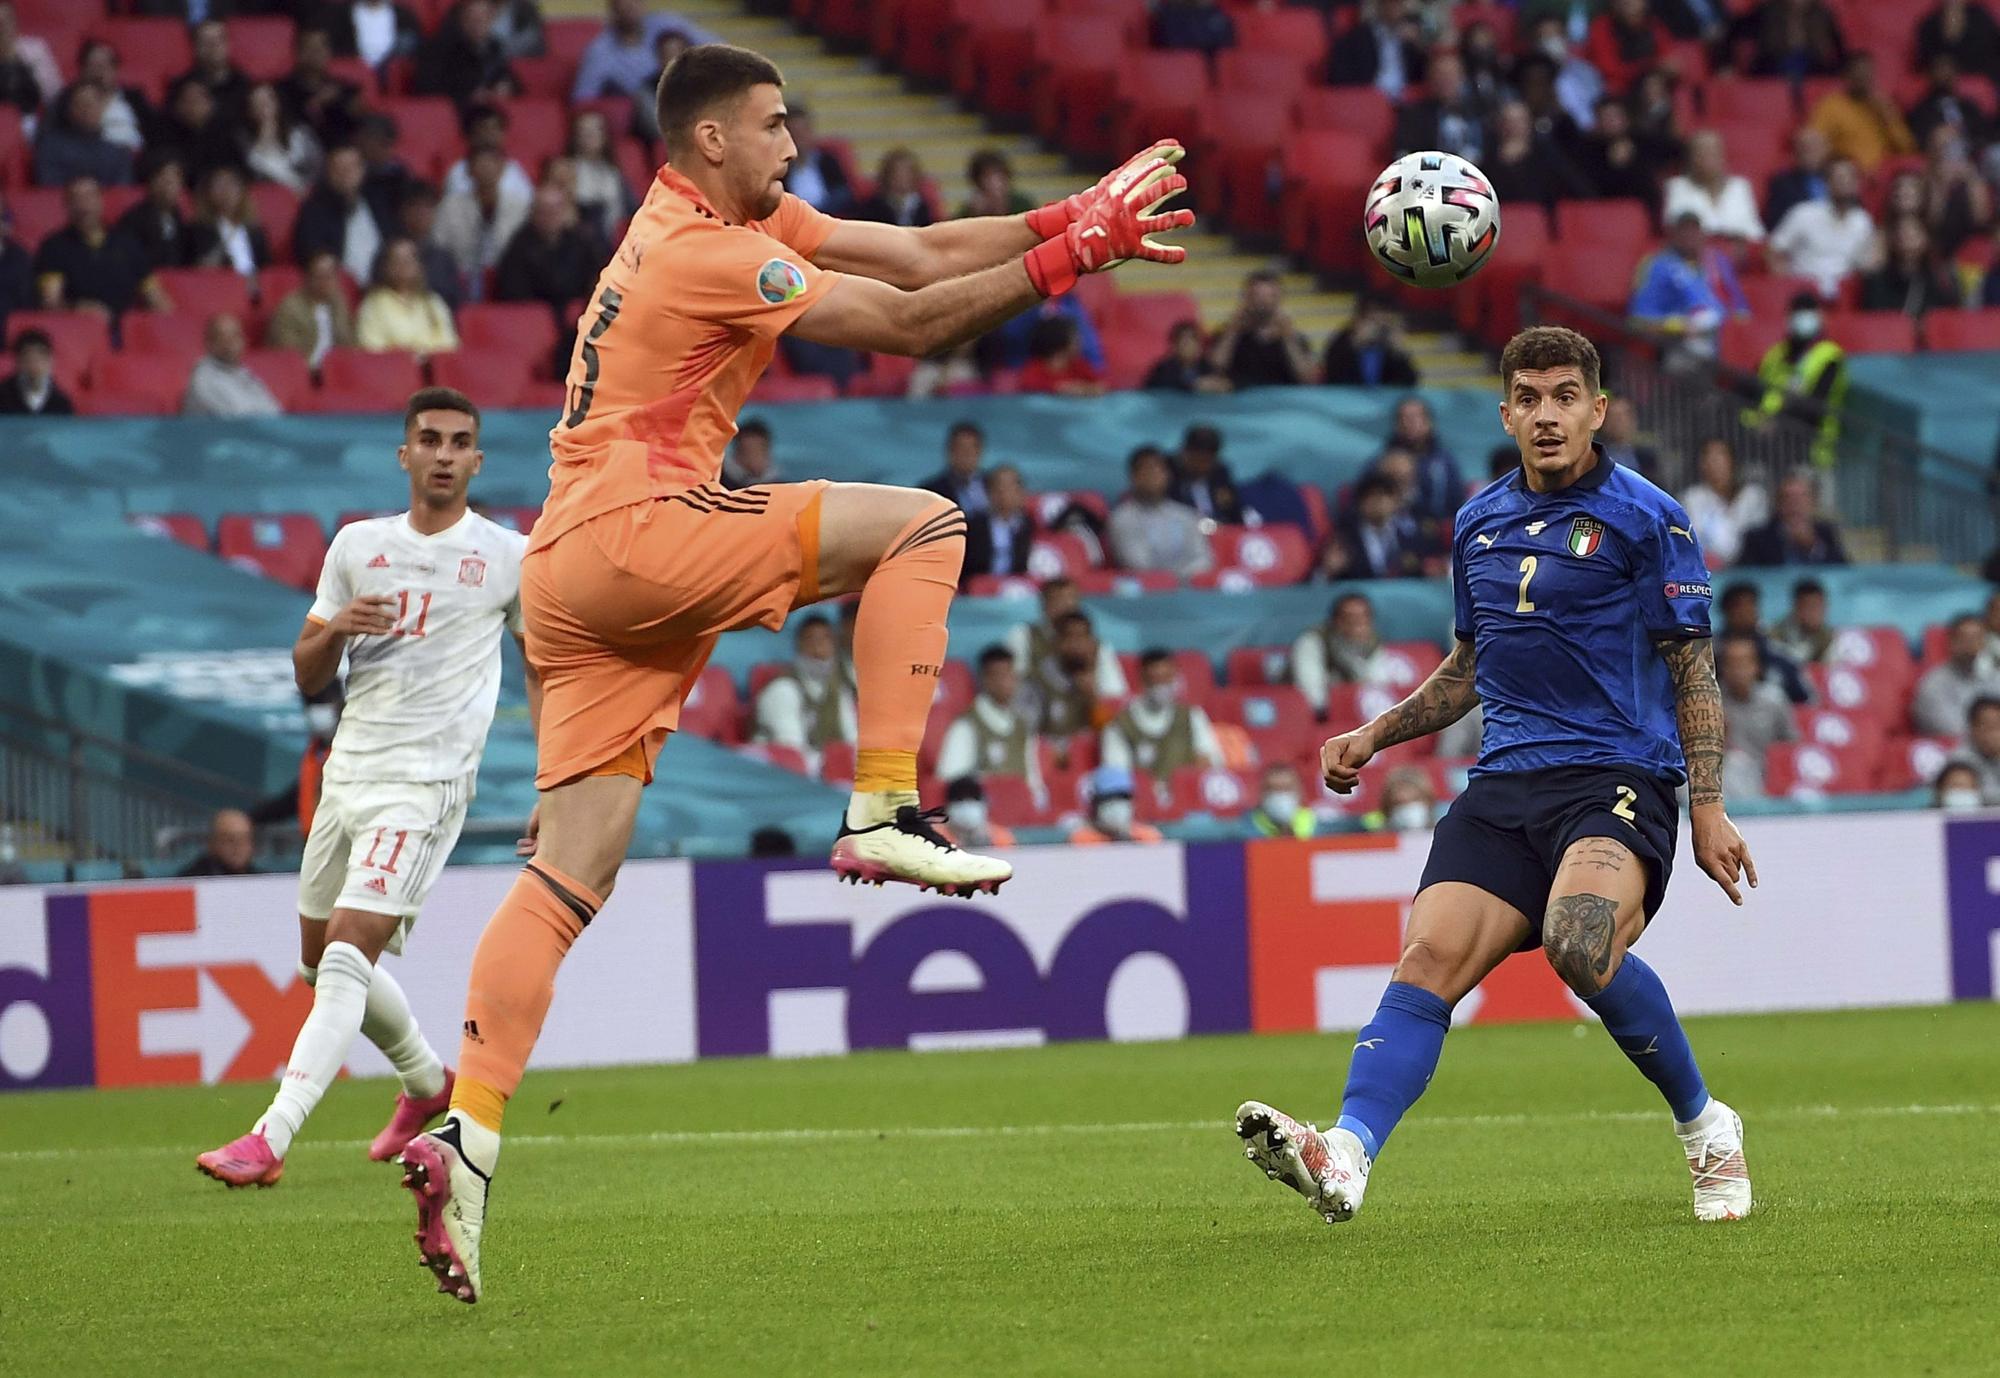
column 778, row 281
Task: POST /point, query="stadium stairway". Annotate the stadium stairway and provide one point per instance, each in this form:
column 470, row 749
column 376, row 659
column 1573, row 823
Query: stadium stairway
column 873, row 111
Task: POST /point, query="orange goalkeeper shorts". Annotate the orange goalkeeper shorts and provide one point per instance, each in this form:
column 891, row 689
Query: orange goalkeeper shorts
column 622, row 611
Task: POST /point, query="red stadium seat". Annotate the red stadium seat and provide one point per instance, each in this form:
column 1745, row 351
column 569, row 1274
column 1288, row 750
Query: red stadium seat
column 134, row 384
column 544, row 76
column 1842, row 733
column 1050, row 506
column 1732, row 103
column 1153, row 314
column 78, row 338
column 783, row 757
column 38, row 212
column 184, row 527
column 1075, row 82
column 1948, row 330
column 1269, row 73
column 1348, row 705
column 1625, row 223
column 1161, row 95
column 1125, row 583
column 1908, row 762
column 1010, row 801
column 524, row 328
column 174, row 335
column 1276, row 716
column 285, row 373
column 1269, row 555
column 1297, row 32
column 344, row 402
column 274, row 284
column 1058, row 553
column 887, row 375
column 1490, row 306
column 427, row 133
column 1872, row 332
column 713, row 709
column 490, row 377
column 1410, row 662
column 925, row 29
column 1196, row 671
column 836, row 763
column 1018, row 586
column 1804, row 768
column 1205, row 789
column 565, row 39
column 277, row 211
column 1242, row 155
column 206, row 292
column 1324, row 175
column 537, row 130
column 803, row 388
column 151, row 52
column 261, row 47
column 1744, row 343
column 993, row 57
column 1251, row 666
column 14, row 151
column 1880, row 653
column 286, row 546
column 388, row 375
column 1849, row 690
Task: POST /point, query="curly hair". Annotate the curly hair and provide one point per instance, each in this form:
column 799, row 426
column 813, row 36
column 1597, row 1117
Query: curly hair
column 1550, row 346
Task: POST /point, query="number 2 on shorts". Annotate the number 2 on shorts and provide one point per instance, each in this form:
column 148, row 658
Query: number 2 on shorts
column 1627, row 797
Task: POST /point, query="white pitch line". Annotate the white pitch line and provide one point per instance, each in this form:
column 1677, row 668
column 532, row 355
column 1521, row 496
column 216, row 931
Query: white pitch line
column 752, row 1137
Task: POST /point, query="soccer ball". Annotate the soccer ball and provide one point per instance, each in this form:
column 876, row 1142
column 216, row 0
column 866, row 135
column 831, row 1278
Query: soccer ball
column 1432, row 219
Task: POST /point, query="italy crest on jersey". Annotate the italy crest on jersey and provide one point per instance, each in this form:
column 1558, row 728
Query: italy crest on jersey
column 1585, row 535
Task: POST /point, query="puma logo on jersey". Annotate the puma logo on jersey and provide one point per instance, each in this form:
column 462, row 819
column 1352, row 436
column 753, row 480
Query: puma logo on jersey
column 1681, row 531
column 379, row 562
column 1483, row 540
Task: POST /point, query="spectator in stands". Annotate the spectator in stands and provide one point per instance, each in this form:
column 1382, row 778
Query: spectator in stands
column 1674, row 295
column 1966, row 30
column 1804, row 636
column 1439, row 485
column 476, row 225
column 1449, row 116
column 375, row 31
column 220, row 385
column 1805, row 379
column 156, row 222
column 1007, row 346
column 465, row 60
column 997, row 540
column 416, row 219
column 1798, row 535
column 1335, row 562
column 1982, row 745
column 816, row 176
column 1943, row 106
column 1408, row 803
column 1742, row 611
column 1366, row 352
column 898, row 198
column 1260, row 347
column 28, row 74
column 1946, row 692
column 622, row 60
column 1201, row 26
column 553, row 258
column 1913, row 277
column 1625, row 40
column 1578, row 86
column 214, row 70
column 1620, row 438
column 385, row 176
column 1385, row 50
column 70, row 143
column 1953, row 199
column 1755, row 715
column 277, row 148
column 749, row 459
column 312, row 98
column 1656, row 118
column 225, row 232
column 1344, row 649
column 1186, row 366
column 1203, row 480
column 1149, row 529
column 17, row 272
column 31, row 389
column 1989, row 658
column 1722, row 200
column 400, row 310
column 232, row 846
column 1382, row 535
column 667, row 45
column 337, row 218
column 1859, row 120
column 193, row 126
column 1159, row 731
column 994, row 735
column 518, row 26
column 1804, row 180
column 1281, row 810
column 807, row 707
column 1828, row 240
column 1108, row 791
column 967, row 822
column 1956, row 789
column 1722, row 509
column 991, row 179
column 126, row 109
column 960, row 480
column 89, row 264
column 1609, row 159
column 1525, row 167
column 314, row 316
column 1034, row 644
column 1535, row 86
column 486, row 128
column 601, row 191
column 1793, row 39
column 1056, row 363
column 1064, row 686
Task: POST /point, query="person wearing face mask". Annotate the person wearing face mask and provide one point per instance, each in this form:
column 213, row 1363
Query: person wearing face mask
column 1755, row 714
column 1159, row 732
column 807, row 707
column 994, row 736
column 967, row 822
column 1982, row 747
column 1805, row 377
column 1409, row 804
column 1281, row 809
column 1110, row 791
column 1956, row 789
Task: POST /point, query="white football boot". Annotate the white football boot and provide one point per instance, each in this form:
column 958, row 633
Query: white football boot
column 1714, row 1147
column 906, row 846
column 451, row 1208
column 1330, row 1170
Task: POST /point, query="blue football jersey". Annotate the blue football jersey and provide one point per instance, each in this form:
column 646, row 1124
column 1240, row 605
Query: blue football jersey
column 1563, row 596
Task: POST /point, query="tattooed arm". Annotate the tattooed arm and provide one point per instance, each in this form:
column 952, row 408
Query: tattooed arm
column 1718, row 848
column 1441, row 700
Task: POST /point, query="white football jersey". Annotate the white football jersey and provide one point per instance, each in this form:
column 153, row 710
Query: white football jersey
column 420, row 698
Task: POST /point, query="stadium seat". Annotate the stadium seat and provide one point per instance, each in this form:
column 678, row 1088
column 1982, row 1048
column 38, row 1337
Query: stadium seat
column 1410, row 662
column 524, row 328
column 1009, row 800
column 490, row 377
column 564, row 39
column 185, row 527
column 285, row 373
column 1324, row 175
column 887, row 375
column 427, row 133
column 1161, row 95
column 387, row 375
column 1908, row 762
column 285, row 546
column 151, row 52
column 1018, row 586
column 136, row 384
column 1946, row 330
column 924, row 30
column 277, row 211
column 206, row 292
column 772, row 388
column 1220, row 793
column 1243, row 155
column 15, row 160
column 537, row 130
column 993, row 57
column 783, row 757
column 1075, row 81
column 1270, row 555
column 1841, row 732
column 1297, row 32
column 1151, row 314
column 172, row 335
column 1623, row 223
column 1125, row 583
column 836, row 763
column 1361, row 111
column 261, row 46
column 79, row 339
column 1872, row 332
column 713, row 709
column 1744, row 343
column 1253, row 666
column 1057, row 553
column 1880, row 653
column 37, row 212
column 1263, row 73
column 1276, row 717
column 1806, row 768
column 1349, row 705
column 544, row 76
column 1733, row 103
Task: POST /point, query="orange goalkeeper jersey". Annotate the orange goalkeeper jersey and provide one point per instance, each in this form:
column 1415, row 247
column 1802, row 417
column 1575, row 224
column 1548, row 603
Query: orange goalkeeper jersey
column 680, row 326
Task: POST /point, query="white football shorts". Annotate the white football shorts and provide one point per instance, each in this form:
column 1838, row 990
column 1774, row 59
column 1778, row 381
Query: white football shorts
column 379, row 845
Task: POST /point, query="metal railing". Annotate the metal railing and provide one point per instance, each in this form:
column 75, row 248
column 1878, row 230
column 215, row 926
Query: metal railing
column 1923, row 503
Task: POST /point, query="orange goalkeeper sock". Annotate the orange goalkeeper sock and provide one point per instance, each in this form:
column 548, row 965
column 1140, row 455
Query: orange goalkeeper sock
column 513, row 980
column 899, row 642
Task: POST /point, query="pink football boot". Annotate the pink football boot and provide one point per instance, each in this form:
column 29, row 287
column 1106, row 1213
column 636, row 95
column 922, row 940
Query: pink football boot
column 248, row 1162
column 409, row 1120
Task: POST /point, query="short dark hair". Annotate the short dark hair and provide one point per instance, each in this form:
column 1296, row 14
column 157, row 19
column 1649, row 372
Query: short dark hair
column 33, row 335
column 701, row 78
column 478, row 113
column 1155, row 655
column 1737, row 592
column 416, row 191
column 811, row 620
column 1069, row 619
column 1142, row 454
column 1333, row 610
column 1372, row 483
column 987, row 160
column 994, row 654
column 1739, row 638
column 1059, row 581
column 1550, row 346
column 1258, row 276
column 1980, row 705
column 439, row 399
column 1807, row 586
column 1965, row 617
column 986, row 479
column 754, row 426
column 1202, row 436
column 964, row 427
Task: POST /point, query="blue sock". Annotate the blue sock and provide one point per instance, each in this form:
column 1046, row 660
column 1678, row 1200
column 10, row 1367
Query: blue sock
column 1394, row 1057
column 1639, row 1016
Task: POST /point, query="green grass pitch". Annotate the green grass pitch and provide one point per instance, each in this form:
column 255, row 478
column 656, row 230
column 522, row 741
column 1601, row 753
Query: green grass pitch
column 1069, row 1210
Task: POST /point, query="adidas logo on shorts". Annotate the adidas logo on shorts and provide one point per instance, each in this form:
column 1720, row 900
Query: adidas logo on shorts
column 376, row 885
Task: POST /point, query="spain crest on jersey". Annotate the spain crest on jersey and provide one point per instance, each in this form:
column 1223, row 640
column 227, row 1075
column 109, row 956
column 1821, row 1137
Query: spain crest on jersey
column 1585, row 535
column 472, row 572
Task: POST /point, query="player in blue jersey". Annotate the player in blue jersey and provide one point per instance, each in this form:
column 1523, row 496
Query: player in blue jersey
column 1582, row 631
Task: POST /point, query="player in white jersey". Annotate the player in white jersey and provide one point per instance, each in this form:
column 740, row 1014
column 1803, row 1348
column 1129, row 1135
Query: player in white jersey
column 418, row 602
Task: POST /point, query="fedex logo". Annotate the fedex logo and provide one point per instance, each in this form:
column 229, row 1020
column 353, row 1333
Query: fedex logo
column 1079, row 946
column 1972, row 877
column 88, row 996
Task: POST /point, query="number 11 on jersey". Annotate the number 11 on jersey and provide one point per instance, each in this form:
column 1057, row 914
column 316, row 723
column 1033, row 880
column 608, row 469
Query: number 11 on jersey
column 403, row 614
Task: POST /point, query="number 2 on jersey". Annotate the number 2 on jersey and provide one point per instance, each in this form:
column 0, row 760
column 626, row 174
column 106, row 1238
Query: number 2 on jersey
column 1528, row 566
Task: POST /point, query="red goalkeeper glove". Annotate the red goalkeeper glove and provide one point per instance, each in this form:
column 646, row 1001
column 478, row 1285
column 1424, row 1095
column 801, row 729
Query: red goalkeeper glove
column 1051, row 220
column 1115, row 226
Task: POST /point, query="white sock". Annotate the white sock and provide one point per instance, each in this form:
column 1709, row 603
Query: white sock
column 480, row 1145
column 340, row 995
column 865, row 809
column 389, row 1025
column 1710, row 1114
